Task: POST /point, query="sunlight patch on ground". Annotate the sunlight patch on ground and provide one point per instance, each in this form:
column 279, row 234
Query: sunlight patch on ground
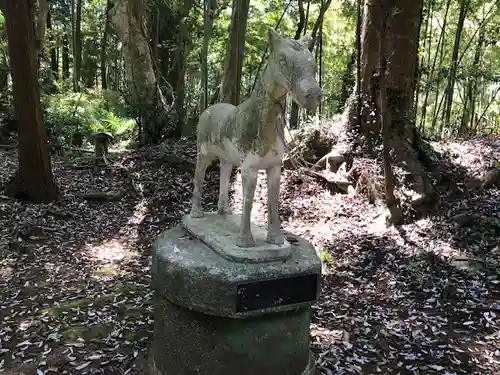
column 109, row 251
column 328, row 336
column 6, row 272
column 140, row 211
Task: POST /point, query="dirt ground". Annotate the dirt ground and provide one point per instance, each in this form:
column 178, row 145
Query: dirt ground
column 423, row 298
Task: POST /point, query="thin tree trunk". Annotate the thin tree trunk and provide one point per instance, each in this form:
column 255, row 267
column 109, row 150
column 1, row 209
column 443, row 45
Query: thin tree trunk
column 427, row 40
column 54, row 62
column 210, row 8
column 385, row 120
column 41, row 27
column 438, row 102
column 65, row 57
column 430, row 76
column 233, row 65
column 294, row 114
column 104, row 44
column 178, row 72
column 468, row 108
column 34, row 179
column 155, row 35
column 319, row 21
column 77, row 45
column 464, row 6
column 306, row 20
column 320, row 63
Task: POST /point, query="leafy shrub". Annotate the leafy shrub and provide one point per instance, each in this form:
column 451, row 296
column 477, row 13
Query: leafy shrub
column 87, row 113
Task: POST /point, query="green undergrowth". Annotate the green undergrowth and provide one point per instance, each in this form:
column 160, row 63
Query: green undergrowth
column 87, row 113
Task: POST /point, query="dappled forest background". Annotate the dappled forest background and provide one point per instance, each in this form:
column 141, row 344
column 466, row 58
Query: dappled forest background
column 99, row 101
column 83, row 50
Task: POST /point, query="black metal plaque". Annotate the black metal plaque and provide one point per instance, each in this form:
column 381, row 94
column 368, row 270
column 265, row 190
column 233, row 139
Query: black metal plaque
column 259, row 295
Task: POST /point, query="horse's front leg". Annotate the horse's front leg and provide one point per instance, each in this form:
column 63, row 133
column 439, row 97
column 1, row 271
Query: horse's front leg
column 225, row 175
column 249, row 183
column 274, row 235
column 202, row 163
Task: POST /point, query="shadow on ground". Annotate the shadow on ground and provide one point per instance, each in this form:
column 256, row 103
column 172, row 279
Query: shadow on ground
column 405, row 310
column 75, row 274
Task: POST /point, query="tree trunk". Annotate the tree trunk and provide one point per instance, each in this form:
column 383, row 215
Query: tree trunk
column 401, row 55
column 65, row 57
column 104, row 43
column 208, row 21
column 54, row 63
column 233, row 64
column 90, row 65
column 420, row 63
column 319, row 21
column 41, row 27
column 33, row 180
column 77, row 47
column 464, row 5
column 469, row 108
column 430, row 75
column 178, row 75
column 294, row 113
column 144, row 91
column 395, row 215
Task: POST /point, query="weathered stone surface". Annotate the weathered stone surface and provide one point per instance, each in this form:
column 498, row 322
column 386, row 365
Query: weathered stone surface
column 190, row 274
column 191, row 343
column 220, row 233
column 251, row 135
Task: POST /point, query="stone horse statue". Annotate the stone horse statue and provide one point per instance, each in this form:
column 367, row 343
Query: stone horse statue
column 251, row 135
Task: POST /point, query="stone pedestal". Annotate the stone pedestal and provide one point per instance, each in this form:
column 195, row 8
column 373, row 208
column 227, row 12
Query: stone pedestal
column 215, row 315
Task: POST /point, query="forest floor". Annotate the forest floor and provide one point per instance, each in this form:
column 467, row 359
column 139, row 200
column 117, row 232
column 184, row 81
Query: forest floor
column 423, row 298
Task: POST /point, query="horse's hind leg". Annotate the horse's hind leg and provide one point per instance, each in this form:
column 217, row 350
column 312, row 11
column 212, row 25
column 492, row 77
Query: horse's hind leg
column 225, row 174
column 202, row 163
column 249, row 183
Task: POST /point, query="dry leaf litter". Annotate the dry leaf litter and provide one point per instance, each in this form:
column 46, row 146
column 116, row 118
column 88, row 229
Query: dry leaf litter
column 423, row 298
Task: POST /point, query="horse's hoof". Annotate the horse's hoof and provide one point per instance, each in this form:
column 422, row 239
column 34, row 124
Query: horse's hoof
column 197, row 212
column 224, row 211
column 275, row 238
column 245, row 241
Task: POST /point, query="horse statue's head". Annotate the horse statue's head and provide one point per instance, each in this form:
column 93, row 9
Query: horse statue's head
column 293, row 67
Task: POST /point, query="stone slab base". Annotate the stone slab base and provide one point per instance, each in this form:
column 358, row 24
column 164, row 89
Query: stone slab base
column 220, row 232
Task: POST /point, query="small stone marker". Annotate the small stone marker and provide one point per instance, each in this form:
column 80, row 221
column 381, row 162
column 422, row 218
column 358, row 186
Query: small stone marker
column 101, row 144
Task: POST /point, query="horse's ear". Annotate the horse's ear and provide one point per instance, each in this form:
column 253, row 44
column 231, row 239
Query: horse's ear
column 307, row 40
column 273, row 37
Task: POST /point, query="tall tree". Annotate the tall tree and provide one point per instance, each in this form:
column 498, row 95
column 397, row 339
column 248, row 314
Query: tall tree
column 104, row 44
column 301, row 26
column 401, row 54
column 464, row 5
column 468, row 110
column 77, row 46
column 178, row 76
column 54, row 62
column 65, row 57
column 144, row 90
column 233, row 64
column 33, row 180
column 210, row 6
column 394, row 212
column 41, row 26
